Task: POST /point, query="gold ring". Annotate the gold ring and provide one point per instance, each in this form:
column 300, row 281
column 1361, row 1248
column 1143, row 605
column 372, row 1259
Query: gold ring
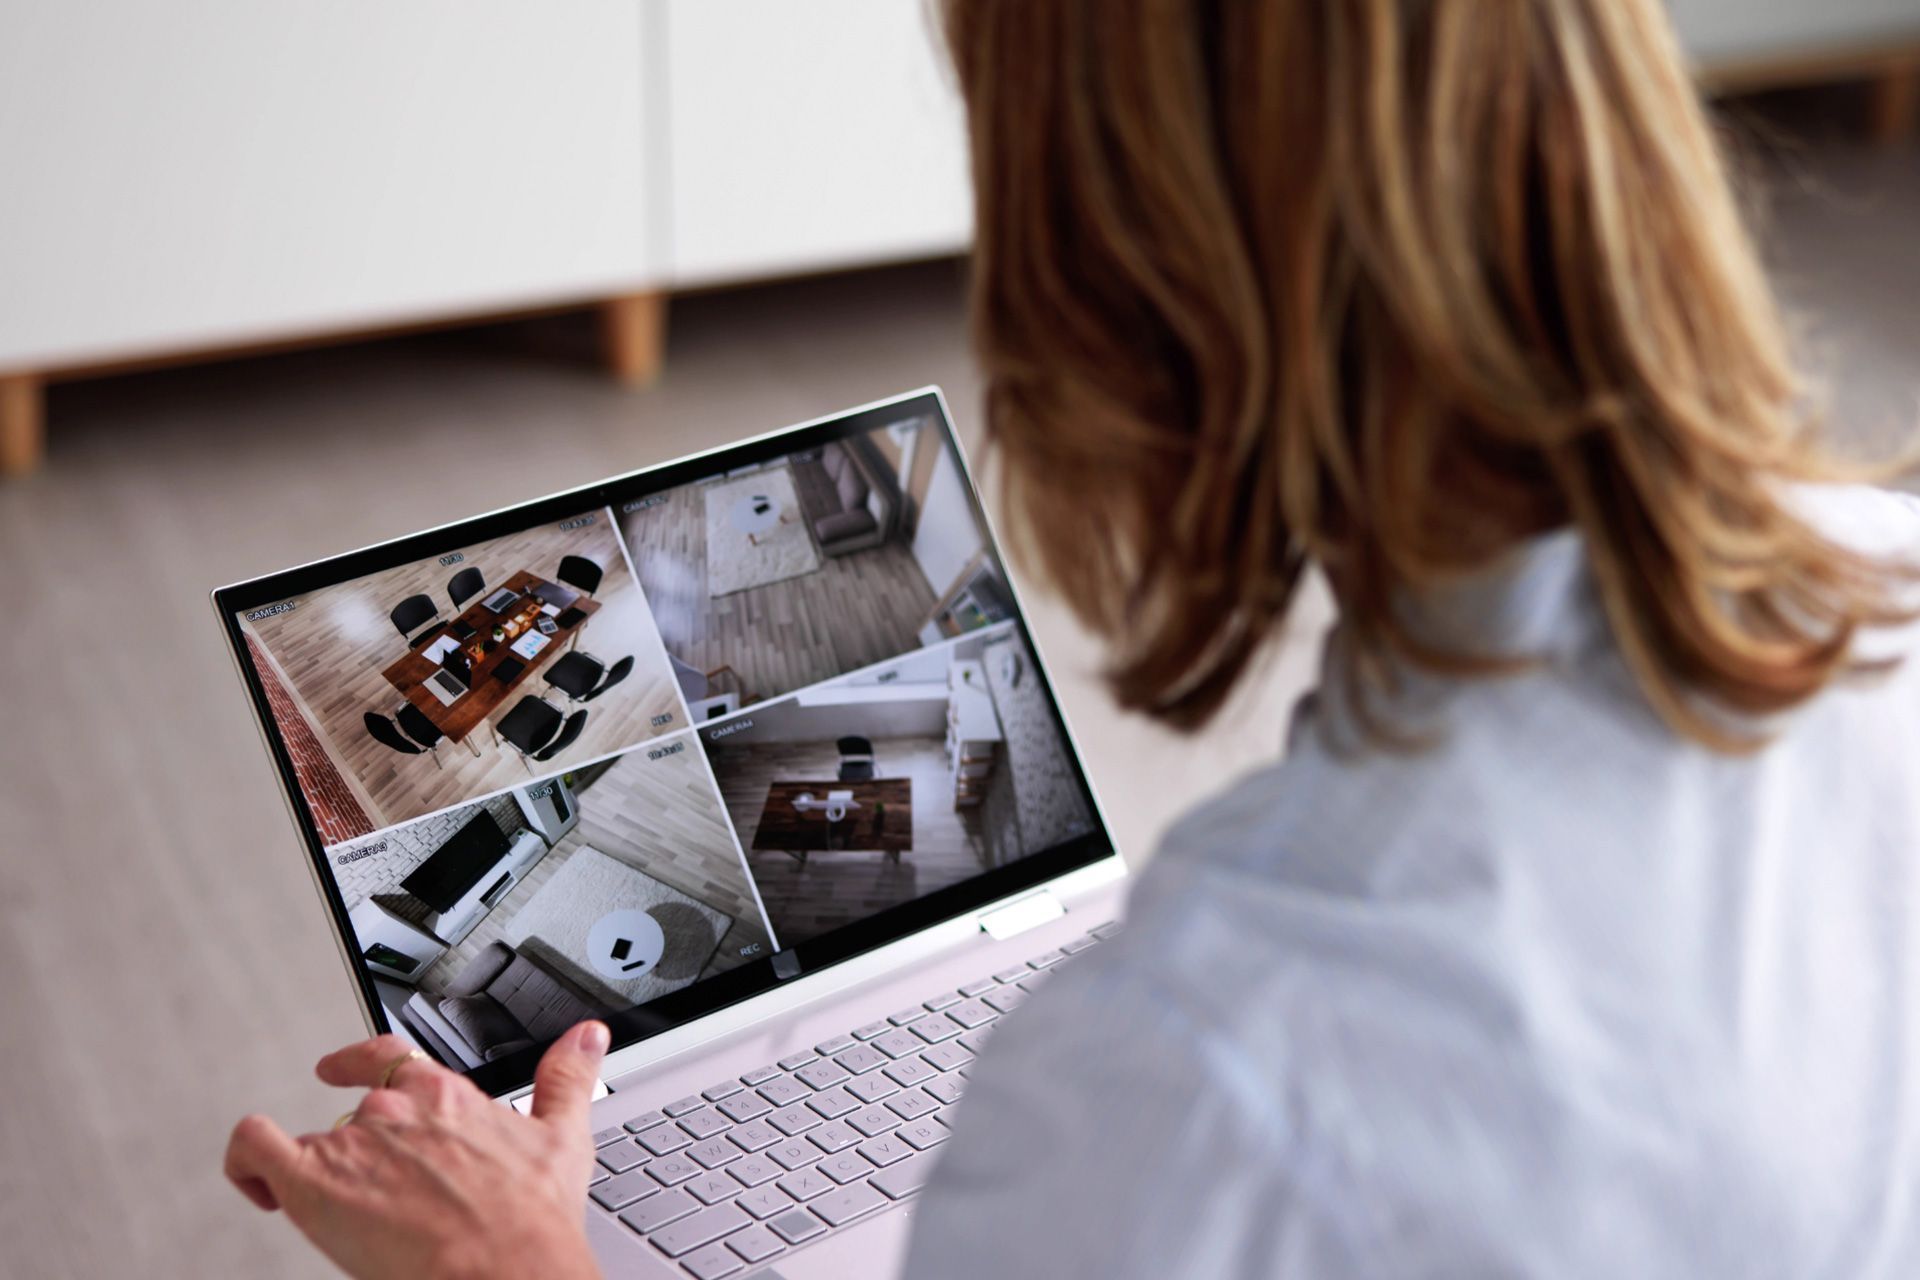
column 411, row 1055
column 345, row 1119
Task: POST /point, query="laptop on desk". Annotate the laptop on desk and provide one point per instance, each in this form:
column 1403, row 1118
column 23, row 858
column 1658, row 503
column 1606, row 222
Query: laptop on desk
column 801, row 820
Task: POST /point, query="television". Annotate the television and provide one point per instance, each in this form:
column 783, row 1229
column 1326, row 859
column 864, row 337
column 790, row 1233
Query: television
column 456, row 866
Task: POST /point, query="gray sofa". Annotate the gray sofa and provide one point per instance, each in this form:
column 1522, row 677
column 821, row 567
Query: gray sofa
column 849, row 497
column 504, row 1001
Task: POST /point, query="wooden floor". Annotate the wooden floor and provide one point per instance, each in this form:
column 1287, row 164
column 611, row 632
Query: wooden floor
column 660, row 818
column 333, row 646
column 858, row 609
column 833, row 889
column 166, row 963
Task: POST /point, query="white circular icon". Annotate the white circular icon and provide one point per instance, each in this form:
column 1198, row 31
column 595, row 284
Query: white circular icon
column 625, row 944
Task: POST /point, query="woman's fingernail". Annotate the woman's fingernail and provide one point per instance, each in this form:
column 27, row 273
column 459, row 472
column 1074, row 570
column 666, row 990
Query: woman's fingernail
column 594, row 1037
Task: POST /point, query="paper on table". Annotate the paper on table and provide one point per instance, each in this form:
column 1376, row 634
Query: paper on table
column 440, row 648
column 530, row 644
column 551, row 610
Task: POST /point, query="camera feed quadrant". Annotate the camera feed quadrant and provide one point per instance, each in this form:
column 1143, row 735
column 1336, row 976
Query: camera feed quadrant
column 417, row 688
column 496, row 926
column 777, row 576
column 882, row 787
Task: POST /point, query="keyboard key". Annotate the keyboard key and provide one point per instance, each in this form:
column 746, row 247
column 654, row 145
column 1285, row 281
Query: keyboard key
column 715, row 1152
column 1078, row 945
column 793, row 1153
column 980, row 987
column 671, row 1171
column 845, row 1167
column 664, row 1140
column 905, row 1016
column 794, row 1120
column 682, row 1107
column 617, row 1193
column 757, row 1135
column 645, row 1120
column 712, row 1262
column 759, row 1075
column 1104, row 931
column 873, row 1088
column 849, row 1202
column 972, row 1041
column 804, row 1184
column 834, row 1137
column 712, row 1188
column 938, row 1003
column 947, row 1057
column 903, row 1179
column 1031, row 983
column 797, row 1225
column 755, row 1244
column 898, row 1043
column 1011, row 975
column 947, row 1089
column 922, row 1134
column 969, row 1014
column 1005, row 1000
column 834, row 1103
column 794, row 1061
column 863, row 1058
column 622, row 1158
column 910, row 1105
column 705, row 1122
column 871, row 1030
column 764, row 1202
column 596, row 1176
column 754, row 1171
column 725, row 1089
column 822, row 1074
column 609, row 1135
column 657, row 1211
column 1047, row 960
column 885, row 1150
column 705, row 1227
column 936, row 1028
column 784, row 1091
column 744, row 1106
column 873, row 1120
column 910, row 1071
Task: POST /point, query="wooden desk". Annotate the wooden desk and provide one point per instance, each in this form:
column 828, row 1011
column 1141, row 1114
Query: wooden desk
column 484, row 694
column 799, row 832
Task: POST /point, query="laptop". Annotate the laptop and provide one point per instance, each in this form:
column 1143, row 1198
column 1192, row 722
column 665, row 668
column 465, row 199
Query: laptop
column 814, row 826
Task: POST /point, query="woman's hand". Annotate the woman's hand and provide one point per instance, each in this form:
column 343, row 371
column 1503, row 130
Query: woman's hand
column 431, row 1177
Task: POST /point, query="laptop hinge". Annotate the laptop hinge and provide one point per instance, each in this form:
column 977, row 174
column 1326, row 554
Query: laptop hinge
column 1016, row 918
column 523, row 1103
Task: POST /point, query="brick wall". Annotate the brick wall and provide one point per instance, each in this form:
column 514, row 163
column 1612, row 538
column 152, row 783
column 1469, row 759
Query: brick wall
column 338, row 814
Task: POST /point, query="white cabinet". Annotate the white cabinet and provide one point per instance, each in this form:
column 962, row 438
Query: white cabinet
column 803, row 137
column 208, row 173
column 1723, row 31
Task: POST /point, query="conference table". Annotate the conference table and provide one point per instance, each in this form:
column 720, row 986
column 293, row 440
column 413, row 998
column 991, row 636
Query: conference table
column 495, row 669
column 880, row 820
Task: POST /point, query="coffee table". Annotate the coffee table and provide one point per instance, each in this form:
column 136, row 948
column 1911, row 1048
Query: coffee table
column 755, row 514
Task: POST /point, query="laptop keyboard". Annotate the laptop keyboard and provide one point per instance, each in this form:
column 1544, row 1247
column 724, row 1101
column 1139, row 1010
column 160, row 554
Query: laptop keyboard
column 788, row 1153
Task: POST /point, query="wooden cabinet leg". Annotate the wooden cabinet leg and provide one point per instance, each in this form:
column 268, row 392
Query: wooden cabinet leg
column 23, row 423
column 1896, row 105
column 634, row 331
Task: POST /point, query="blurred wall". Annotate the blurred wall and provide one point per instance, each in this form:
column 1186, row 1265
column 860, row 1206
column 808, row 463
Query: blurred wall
column 1742, row 29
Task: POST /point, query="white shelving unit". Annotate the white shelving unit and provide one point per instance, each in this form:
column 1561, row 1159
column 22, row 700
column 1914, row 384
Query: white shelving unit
column 973, row 732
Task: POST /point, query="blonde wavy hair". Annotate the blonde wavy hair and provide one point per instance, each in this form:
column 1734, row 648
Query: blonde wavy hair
column 1388, row 286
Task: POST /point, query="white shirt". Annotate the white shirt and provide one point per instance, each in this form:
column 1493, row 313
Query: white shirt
column 1562, row 995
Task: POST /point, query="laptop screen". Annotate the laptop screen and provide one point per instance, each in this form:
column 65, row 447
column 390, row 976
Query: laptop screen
column 774, row 701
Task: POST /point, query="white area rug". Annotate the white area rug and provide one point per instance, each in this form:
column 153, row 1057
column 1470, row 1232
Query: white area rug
column 735, row 561
column 553, row 926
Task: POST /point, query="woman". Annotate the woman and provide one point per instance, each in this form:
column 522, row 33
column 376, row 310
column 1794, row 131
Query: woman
column 1574, row 933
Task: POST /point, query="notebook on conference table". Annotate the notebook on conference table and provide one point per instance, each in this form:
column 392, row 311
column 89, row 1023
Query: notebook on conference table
column 871, row 617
